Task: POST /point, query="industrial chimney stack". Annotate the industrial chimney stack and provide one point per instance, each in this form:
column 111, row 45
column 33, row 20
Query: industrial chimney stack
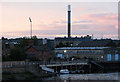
column 69, row 21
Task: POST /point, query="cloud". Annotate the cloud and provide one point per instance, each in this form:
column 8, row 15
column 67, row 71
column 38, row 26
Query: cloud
column 98, row 23
column 101, row 17
column 83, row 22
column 61, row 22
column 80, row 9
column 102, row 20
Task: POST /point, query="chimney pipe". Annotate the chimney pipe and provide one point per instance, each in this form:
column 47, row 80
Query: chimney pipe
column 69, row 21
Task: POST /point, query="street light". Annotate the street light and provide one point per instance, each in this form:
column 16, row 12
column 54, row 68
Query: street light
column 65, row 51
column 30, row 27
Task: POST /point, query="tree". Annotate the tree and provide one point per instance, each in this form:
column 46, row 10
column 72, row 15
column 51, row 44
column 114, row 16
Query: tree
column 35, row 39
column 23, row 42
column 17, row 54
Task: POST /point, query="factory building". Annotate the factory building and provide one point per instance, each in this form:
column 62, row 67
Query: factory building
column 86, row 47
column 99, row 54
column 72, row 41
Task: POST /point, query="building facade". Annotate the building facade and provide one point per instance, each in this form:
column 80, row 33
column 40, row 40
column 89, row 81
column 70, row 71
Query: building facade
column 100, row 54
column 39, row 52
column 72, row 41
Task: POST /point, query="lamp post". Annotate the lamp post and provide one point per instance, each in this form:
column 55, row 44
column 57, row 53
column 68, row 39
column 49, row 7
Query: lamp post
column 30, row 27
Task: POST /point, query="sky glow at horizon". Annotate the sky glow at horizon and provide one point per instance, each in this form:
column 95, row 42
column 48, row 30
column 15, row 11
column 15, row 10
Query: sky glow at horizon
column 50, row 19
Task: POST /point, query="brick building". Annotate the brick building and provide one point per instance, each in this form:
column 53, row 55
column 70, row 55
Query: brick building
column 39, row 52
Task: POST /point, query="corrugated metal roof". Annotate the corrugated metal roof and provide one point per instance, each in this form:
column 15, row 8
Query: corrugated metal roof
column 67, row 48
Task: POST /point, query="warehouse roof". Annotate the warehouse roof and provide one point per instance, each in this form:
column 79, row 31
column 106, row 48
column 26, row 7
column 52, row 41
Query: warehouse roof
column 70, row 48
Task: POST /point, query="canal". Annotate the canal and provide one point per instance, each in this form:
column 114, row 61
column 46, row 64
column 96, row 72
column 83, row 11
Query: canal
column 98, row 77
column 104, row 77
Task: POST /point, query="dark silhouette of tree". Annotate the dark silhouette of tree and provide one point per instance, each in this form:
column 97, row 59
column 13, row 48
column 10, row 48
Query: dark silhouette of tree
column 35, row 39
column 24, row 41
column 17, row 54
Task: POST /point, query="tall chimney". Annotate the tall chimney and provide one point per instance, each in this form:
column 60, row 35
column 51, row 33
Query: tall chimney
column 69, row 21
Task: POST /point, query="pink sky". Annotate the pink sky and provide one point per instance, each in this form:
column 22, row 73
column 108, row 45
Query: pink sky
column 50, row 19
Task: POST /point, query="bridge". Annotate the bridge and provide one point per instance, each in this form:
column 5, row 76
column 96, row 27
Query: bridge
column 66, row 63
column 72, row 66
column 82, row 66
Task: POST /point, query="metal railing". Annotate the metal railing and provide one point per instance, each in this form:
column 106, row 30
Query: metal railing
column 23, row 63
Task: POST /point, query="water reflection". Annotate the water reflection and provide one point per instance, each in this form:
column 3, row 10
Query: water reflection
column 109, row 77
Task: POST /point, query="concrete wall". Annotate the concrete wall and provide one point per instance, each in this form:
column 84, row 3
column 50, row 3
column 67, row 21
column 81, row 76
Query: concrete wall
column 14, row 70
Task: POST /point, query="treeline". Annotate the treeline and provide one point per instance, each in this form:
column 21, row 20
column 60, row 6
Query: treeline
column 18, row 53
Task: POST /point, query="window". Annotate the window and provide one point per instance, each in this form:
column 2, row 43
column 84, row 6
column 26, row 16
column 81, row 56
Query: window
column 116, row 57
column 108, row 57
column 59, row 55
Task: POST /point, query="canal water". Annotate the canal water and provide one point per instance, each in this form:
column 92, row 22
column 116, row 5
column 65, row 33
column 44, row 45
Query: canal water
column 105, row 77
